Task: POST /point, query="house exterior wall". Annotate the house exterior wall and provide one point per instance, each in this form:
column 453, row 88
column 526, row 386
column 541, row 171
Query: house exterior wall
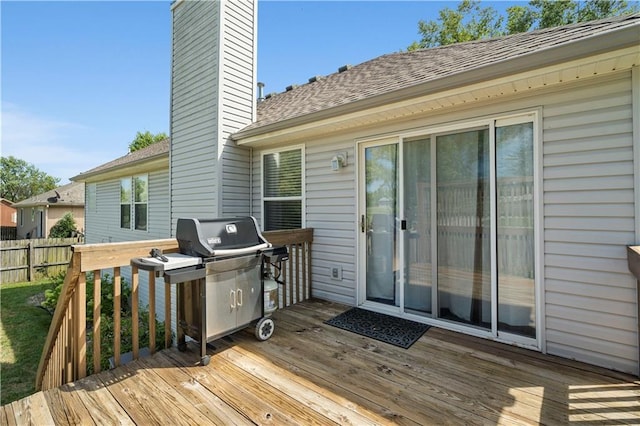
column 9, row 215
column 29, row 226
column 102, row 221
column 213, row 79
column 588, row 213
column 54, row 214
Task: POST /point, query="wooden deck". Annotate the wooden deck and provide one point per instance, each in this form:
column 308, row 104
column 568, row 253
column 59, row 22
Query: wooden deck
column 311, row 373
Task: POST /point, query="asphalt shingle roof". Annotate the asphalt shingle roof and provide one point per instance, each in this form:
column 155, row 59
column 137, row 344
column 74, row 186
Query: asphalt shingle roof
column 396, row 71
column 71, row 194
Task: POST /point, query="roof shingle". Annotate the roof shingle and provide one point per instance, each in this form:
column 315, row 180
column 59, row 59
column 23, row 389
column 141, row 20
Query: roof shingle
column 396, row 71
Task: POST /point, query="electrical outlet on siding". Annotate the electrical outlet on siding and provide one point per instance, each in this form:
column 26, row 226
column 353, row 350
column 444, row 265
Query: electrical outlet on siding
column 336, row 272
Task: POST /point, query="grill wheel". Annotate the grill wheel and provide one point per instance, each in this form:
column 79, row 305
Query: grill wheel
column 264, row 328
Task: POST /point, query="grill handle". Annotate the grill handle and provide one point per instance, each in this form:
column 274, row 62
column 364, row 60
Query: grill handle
column 237, row 252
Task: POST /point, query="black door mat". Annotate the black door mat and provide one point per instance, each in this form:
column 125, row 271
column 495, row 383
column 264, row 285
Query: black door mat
column 396, row 331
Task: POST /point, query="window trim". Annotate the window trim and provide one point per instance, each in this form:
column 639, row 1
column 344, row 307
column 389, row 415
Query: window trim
column 301, row 197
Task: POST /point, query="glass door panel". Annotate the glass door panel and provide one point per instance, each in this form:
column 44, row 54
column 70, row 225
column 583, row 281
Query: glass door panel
column 464, row 226
column 382, row 238
column 515, row 236
column 417, row 237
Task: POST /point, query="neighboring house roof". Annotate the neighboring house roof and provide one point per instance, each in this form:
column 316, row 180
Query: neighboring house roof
column 411, row 74
column 157, row 150
column 6, row 202
column 71, row 194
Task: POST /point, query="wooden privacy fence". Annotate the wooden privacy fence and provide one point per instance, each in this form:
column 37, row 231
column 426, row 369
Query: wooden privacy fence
column 64, row 357
column 30, row 260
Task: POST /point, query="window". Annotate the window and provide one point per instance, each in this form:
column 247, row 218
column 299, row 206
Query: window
column 125, row 203
column 91, row 198
column 282, row 182
column 133, row 202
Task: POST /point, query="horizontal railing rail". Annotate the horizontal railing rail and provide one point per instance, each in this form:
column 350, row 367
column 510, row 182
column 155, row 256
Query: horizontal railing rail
column 64, row 357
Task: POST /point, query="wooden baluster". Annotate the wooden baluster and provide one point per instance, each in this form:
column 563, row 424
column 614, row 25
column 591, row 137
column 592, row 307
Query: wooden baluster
column 134, row 311
column 97, row 319
column 152, row 312
column 167, row 315
column 299, row 297
column 309, row 257
column 304, row 271
column 289, row 282
column 117, row 283
column 68, row 343
column 81, row 326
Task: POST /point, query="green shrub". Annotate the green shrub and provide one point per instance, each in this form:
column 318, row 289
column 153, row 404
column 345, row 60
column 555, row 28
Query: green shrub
column 64, row 228
column 52, row 293
column 107, row 332
column 107, row 337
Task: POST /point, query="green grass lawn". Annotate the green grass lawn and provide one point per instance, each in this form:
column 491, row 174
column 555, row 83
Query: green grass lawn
column 23, row 330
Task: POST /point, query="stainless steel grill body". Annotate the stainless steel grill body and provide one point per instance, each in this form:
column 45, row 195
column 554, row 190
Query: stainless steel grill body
column 220, row 274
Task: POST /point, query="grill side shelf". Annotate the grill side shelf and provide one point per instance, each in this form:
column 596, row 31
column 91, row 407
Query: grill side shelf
column 146, row 265
column 182, row 275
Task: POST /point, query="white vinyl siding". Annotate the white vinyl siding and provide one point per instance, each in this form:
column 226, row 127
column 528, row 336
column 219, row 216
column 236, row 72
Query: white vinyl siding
column 238, row 99
column 591, row 311
column 194, row 104
column 589, row 306
column 212, row 97
column 103, row 224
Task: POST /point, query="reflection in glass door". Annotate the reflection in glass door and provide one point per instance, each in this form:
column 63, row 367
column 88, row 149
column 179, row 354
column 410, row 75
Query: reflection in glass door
column 417, row 237
column 381, row 212
column 464, row 225
column 515, row 230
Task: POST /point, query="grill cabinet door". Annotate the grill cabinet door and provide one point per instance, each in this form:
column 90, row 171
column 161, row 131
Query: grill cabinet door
column 249, row 297
column 221, row 303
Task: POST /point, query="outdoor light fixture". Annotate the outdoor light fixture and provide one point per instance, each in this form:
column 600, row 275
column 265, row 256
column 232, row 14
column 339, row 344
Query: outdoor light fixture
column 338, row 161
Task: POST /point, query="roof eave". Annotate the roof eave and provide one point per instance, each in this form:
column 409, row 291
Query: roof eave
column 589, row 46
column 152, row 162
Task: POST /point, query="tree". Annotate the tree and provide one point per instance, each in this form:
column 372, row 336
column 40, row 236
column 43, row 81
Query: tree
column 143, row 140
column 20, row 180
column 469, row 21
column 64, row 228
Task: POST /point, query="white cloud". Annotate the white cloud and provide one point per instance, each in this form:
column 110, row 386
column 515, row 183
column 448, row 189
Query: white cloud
column 60, row 148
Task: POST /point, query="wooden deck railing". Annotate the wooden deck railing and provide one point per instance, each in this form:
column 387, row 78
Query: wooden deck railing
column 64, row 357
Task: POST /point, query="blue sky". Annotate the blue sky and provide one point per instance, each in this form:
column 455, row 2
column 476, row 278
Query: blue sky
column 79, row 79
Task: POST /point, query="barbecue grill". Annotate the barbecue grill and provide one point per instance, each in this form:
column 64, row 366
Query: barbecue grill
column 226, row 275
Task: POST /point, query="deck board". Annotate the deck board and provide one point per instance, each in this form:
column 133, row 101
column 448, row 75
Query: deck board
column 312, row 373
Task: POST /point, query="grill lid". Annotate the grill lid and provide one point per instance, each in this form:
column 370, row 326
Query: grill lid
column 219, row 237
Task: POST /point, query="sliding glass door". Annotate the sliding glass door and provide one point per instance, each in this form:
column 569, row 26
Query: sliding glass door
column 448, row 227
